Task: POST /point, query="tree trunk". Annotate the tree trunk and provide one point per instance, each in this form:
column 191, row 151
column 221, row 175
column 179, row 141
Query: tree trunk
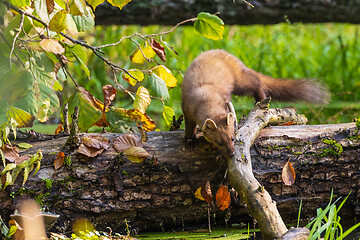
column 160, row 194
column 170, row 12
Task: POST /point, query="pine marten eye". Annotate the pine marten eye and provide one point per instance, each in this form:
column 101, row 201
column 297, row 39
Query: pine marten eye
column 232, row 139
column 220, row 143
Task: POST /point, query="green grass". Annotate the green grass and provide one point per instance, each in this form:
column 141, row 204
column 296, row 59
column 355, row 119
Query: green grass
column 327, row 52
column 327, row 222
column 224, row 234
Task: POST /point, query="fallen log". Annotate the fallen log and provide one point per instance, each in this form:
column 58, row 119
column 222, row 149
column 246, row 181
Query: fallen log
column 159, row 193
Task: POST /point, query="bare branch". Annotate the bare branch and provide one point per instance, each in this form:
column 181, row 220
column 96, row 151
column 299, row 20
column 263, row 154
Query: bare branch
column 15, row 38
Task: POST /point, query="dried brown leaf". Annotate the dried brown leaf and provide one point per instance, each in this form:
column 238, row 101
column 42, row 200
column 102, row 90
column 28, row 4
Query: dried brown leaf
column 10, row 153
column 109, row 95
column 223, row 198
column 50, row 6
column 126, row 141
column 206, row 191
column 21, row 159
column 89, row 151
column 59, row 160
column 96, row 141
column 158, row 49
column 288, row 174
column 289, row 123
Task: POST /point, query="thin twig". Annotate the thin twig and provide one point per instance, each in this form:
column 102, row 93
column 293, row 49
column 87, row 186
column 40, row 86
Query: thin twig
column 142, row 52
column 9, row 45
column 68, row 73
column 15, row 38
column 147, row 35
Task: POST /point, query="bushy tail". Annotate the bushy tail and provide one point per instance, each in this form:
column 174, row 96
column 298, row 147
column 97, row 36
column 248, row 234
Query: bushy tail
column 294, row 90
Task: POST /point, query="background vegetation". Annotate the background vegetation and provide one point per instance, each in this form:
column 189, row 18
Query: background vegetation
column 327, row 52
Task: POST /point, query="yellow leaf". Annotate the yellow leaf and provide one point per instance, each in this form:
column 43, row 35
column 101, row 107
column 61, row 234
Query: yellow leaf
column 142, row 99
column 198, row 194
column 136, row 115
column 137, row 56
column 43, row 111
column 62, row 20
column 94, row 3
column 119, row 3
column 22, row 118
column 136, row 154
column 136, row 74
column 166, row 75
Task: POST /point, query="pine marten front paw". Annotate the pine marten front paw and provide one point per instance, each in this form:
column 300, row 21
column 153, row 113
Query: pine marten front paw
column 190, row 143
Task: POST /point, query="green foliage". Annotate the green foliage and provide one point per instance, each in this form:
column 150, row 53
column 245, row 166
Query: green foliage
column 209, row 26
column 12, row 170
column 6, row 232
column 48, row 183
column 327, row 222
column 334, row 149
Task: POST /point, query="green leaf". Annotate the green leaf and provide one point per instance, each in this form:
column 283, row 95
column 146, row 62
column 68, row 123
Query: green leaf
column 80, row 55
column 3, row 10
column 28, row 103
column 210, row 26
column 95, row 3
column 90, row 111
column 41, row 75
column 84, row 23
column 9, row 167
column 62, row 20
column 21, row 82
column 8, row 180
column 77, row 8
column 61, row 3
column 41, row 10
column 47, row 93
column 22, row 118
column 24, row 145
column 170, row 49
column 119, row 3
column 38, row 163
column 12, row 231
column 26, row 175
column 20, row 3
column 168, row 114
column 158, row 87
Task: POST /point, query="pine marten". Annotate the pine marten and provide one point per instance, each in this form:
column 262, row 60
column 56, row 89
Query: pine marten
column 207, row 87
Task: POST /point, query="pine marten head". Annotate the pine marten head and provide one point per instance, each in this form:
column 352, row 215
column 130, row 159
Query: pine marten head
column 221, row 133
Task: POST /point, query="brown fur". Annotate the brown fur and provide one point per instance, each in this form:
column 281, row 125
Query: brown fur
column 211, row 79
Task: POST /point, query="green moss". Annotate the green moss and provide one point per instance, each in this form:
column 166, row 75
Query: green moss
column 67, row 161
column 334, row 149
column 48, row 183
column 21, row 191
column 40, row 199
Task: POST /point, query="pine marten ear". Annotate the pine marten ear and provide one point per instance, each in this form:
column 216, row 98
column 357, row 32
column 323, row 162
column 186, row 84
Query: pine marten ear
column 209, row 124
column 230, row 119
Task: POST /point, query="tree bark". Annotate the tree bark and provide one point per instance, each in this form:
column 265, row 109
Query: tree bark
column 170, row 12
column 107, row 190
